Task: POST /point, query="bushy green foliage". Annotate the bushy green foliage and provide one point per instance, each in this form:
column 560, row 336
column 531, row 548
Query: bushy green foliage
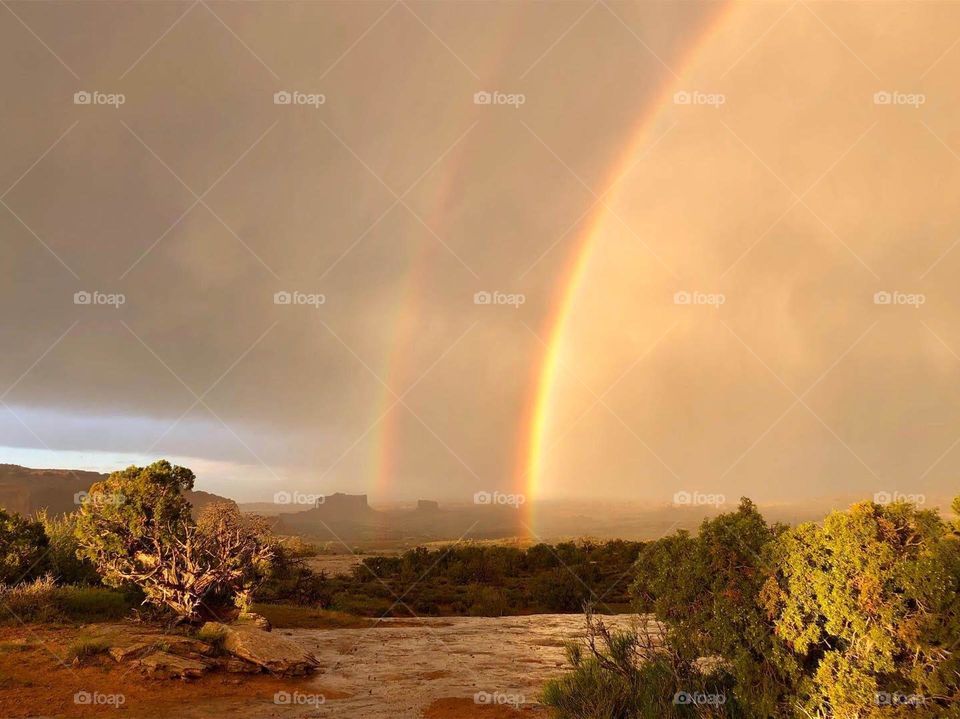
column 706, row 588
column 542, row 578
column 63, row 558
column 627, row 675
column 23, row 548
column 867, row 603
column 127, row 513
column 466, row 579
column 857, row 617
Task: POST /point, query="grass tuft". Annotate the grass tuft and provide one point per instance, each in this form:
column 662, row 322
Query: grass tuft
column 85, row 648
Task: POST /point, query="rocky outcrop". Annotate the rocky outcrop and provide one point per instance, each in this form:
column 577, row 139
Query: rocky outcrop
column 264, row 649
column 245, row 647
column 165, row 656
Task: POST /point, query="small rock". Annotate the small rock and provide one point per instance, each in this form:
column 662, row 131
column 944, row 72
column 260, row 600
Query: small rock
column 233, row 665
column 163, row 665
column 257, row 620
column 186, row 647
column 132, row 651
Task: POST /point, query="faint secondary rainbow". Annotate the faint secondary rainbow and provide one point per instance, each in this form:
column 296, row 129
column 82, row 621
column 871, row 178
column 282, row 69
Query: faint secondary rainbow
column 534, row 449
column 387, row 445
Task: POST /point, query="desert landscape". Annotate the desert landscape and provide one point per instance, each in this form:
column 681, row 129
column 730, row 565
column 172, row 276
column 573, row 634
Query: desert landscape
column 480, row 359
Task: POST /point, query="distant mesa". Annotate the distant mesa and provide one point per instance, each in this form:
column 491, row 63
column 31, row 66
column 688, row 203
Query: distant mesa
column 348, row 503
column 348, row 517
column 27, row 491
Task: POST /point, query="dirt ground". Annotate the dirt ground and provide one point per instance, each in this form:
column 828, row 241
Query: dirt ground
column 450, row 668
column 36, row 680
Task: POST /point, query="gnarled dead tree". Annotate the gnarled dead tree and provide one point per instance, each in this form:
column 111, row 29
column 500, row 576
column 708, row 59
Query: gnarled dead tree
column 137, row 529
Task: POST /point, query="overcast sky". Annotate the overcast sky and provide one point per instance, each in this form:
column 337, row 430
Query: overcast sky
column 779, row 185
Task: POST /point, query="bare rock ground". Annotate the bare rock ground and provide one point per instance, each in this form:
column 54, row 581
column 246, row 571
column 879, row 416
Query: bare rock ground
column 399, row 668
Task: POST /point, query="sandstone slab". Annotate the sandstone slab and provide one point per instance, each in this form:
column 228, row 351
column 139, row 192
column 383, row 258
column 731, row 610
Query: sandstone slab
column 180, row 646
column 163, row 665
column 265, row 649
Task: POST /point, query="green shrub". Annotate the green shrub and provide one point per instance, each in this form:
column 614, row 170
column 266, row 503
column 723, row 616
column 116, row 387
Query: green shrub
column 23, row 549
column 289, row 579
column 706, row 589
column 857, row 617
column 867, row 603
column 486, row 601
column 625, row 675
column 588, row 691
column 62, row 558
column 559, row 590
